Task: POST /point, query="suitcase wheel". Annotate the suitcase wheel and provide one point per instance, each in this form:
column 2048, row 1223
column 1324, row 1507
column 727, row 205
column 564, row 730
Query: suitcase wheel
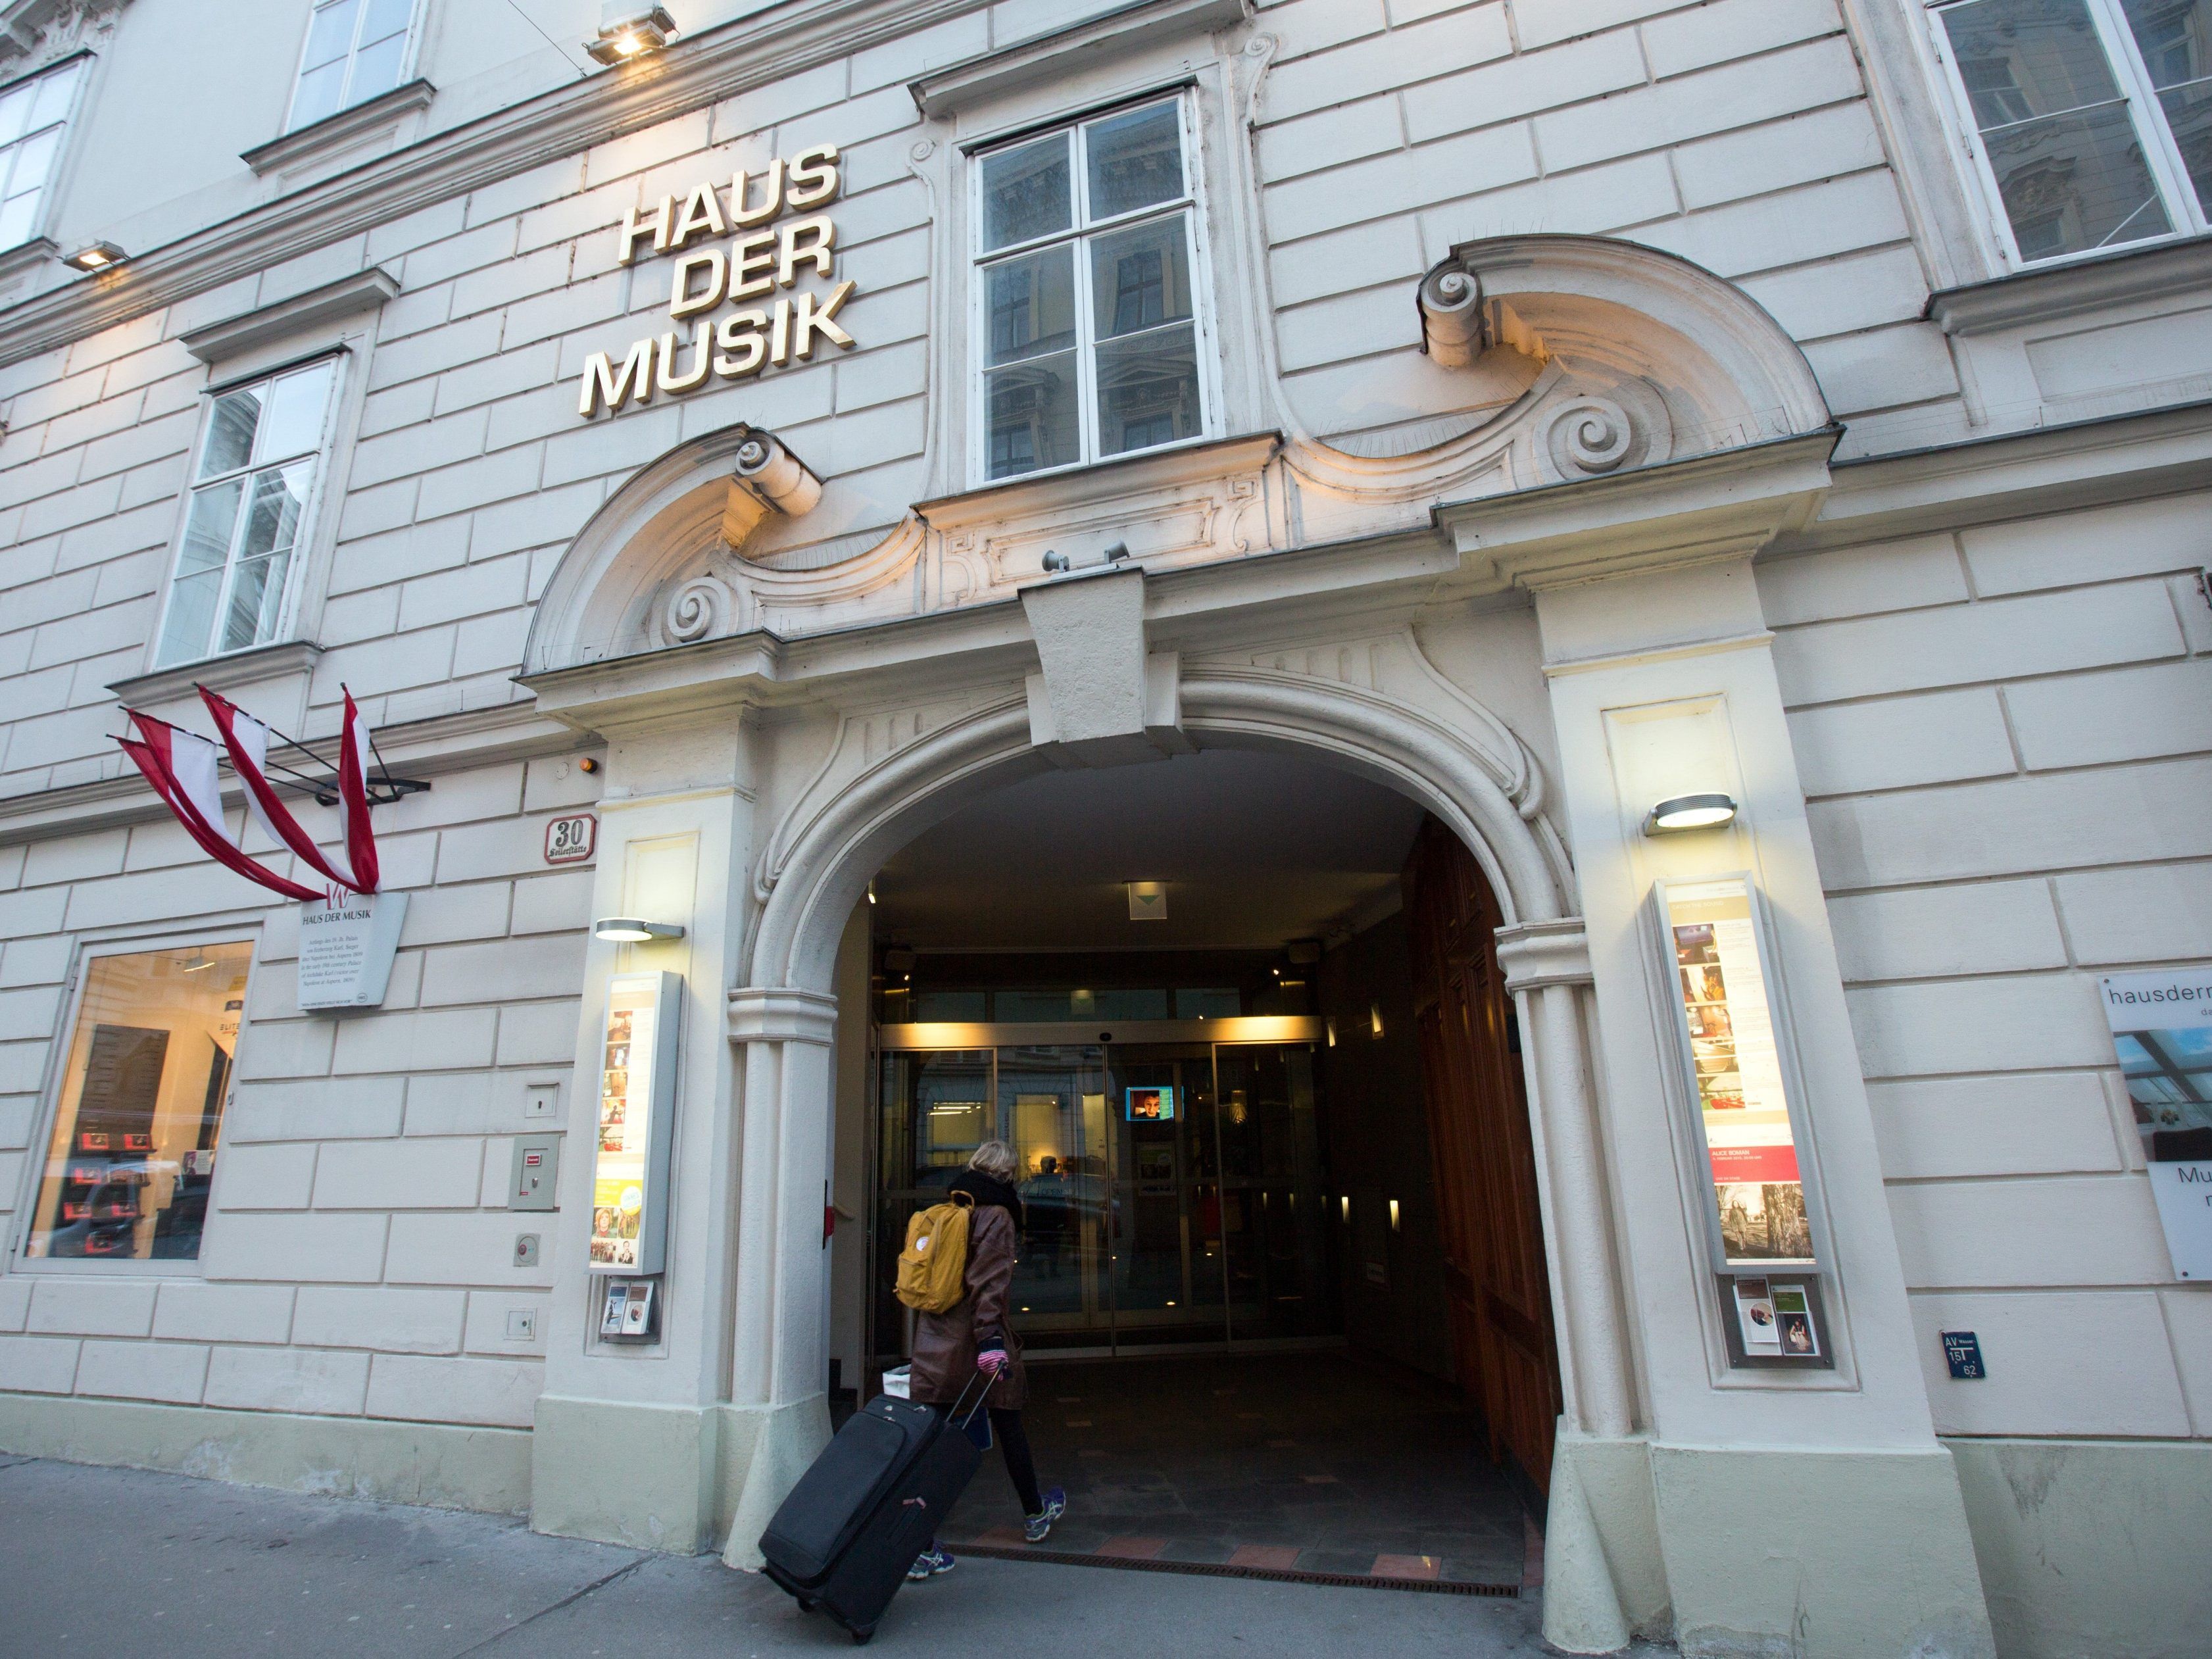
column 861, row 1637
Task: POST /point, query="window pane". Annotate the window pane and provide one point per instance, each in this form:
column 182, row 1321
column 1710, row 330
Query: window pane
column 1148, row 390
column 53, row 98
column 318, row 95
column 2025, row 57
column 1136, row 160
column 16, row 216
column 272, row 517
column 16, row 111
column 2076, row 182
column 386, row 18
column 1032, row 414
column 30, row 159
column 1026, row 192
column 330, row 36
column 230, row 431
column 134, row 1145
column 376, row 69
column 255, row 598
column 1140, row 278
column 1028, row 304
column 207, row 532
column 2176, row 38
column 192, row 617
column 294, row 424
column 2189, row 112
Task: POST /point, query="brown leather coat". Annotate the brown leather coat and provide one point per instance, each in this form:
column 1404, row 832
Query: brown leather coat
column 945, row 1344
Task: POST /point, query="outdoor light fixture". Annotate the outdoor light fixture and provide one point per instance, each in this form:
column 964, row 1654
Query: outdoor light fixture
column 1690, row 812
column 628, row 32
column 628, row 930
column 96, row 257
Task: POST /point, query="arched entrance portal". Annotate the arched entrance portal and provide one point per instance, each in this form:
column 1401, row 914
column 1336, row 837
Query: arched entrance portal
column 1434, row 746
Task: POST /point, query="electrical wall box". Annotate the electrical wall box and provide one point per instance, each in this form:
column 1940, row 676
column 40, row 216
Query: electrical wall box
column 536, row 1178
column 636, row 1123
column 631, row 1312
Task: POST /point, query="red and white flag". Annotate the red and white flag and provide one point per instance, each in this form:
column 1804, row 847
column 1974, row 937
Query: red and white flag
column 353, row 796
column 181, row 767
column 247, row 740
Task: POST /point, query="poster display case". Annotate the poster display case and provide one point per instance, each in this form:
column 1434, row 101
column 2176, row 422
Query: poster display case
column 1759, row 1226
column 636, row 1123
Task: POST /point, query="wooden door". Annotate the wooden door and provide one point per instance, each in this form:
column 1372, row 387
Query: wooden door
column 1499, row 1298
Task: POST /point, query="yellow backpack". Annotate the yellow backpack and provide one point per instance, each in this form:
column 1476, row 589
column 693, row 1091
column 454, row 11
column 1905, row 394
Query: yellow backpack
column 932, row 1268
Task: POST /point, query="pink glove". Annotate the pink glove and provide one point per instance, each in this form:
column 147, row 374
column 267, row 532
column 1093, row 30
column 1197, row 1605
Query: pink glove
column 991, row 1359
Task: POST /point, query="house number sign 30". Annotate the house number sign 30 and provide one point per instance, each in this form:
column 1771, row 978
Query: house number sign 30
column 573, row 838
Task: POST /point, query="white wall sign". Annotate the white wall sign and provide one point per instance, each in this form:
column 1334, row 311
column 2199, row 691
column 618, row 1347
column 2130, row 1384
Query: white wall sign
column 2162, row 1029
column 573, row 838
column 346, row 949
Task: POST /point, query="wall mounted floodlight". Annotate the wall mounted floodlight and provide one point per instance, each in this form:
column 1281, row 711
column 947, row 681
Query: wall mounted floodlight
column 629, row 930
column 629, row 31
column 1690, row 812
column 95, row 256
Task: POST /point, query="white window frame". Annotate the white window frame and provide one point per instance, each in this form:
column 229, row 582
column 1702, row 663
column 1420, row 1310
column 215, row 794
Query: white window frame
column 303, row 537
column 407, row 60
column 20, row 1259
column 2161, row 154
column 1190, row 204
column 81, row 63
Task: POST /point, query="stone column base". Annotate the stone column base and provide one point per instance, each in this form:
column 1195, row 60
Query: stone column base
column 779, row 1443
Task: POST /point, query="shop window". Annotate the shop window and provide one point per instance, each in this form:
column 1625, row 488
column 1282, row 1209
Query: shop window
column 148, row 1068
column 34, row 118
column 357, row 50
column 1090, row 315
column 2092, row 119
column 260, row 460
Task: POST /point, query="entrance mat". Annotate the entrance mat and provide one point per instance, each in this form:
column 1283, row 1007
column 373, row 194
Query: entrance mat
column 1382, row 1579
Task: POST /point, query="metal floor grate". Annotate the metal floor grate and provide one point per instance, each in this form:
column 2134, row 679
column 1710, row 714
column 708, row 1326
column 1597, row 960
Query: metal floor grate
column 1222, row 1570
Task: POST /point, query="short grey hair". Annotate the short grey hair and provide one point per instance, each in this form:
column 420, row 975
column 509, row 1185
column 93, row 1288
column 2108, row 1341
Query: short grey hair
column 995, row 1159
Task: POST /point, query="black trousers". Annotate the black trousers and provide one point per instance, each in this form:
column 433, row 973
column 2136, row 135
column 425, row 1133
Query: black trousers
column 1014, row 1442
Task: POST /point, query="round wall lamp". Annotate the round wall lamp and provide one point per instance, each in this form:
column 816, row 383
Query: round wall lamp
column 1690, row 812
column 629, row 930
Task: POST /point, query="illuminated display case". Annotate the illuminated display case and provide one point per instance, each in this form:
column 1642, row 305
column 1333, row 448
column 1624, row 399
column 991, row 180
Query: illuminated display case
column 637, row 1121
column 1761, row 1217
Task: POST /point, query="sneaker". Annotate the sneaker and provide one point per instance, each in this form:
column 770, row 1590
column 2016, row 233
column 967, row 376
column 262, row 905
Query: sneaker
column 929, row 1564
column 1037, row 1528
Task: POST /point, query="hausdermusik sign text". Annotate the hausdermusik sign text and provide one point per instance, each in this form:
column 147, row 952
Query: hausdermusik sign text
column 773, row 238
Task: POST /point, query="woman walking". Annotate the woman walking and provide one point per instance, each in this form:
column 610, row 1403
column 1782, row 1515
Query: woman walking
column 951, row 1348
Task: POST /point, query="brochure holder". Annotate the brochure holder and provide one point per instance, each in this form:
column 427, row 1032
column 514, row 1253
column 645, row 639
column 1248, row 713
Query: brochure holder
column 636, row 1124
column 1763, row 1226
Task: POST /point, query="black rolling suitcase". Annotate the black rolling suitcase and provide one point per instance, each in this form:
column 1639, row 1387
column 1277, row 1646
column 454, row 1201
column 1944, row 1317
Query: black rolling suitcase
column 842, row 1540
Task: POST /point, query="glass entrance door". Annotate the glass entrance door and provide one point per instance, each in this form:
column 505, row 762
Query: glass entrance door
column 1171, row 1191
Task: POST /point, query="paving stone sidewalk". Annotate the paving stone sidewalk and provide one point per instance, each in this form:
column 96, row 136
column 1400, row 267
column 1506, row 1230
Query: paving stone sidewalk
column 98, row 1560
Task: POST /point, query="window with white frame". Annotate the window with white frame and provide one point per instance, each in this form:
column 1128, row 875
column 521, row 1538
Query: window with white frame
column 1089, row 318
column 34, row 115
column 355, row 49
column 260, row 461
column 2092, row 119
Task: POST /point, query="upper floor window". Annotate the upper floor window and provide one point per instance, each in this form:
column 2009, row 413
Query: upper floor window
column 250, row 496
column 355, row 49
column 2093, row 118
column 33, row 114
column 1088, row 314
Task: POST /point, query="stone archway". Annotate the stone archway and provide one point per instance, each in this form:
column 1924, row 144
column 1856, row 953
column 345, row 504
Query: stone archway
column 1441, row 749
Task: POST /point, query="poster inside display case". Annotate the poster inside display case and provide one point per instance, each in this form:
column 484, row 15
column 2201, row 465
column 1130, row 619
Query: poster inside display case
column 1757, row 1218
column 637, row 1119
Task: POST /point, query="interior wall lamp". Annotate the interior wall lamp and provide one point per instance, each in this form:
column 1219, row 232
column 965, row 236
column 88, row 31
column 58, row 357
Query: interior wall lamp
column 95, row 256
column 628, row 31
column 630, row 930
column 1690, row 812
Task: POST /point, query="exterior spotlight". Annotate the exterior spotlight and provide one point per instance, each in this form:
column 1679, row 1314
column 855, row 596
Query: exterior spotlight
column 98, row 256
column 628, row 31
column 629, row 930
column 1690, row 812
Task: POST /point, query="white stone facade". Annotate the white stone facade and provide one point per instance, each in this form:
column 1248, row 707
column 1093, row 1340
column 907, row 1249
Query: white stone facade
column 1771, row 453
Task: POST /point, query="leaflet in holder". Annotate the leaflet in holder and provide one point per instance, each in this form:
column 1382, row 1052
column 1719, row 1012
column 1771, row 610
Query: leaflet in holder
column 1759, row 1223
column 636, row 1124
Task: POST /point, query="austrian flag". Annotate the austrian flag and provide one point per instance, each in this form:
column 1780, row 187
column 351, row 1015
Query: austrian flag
column 181, row 767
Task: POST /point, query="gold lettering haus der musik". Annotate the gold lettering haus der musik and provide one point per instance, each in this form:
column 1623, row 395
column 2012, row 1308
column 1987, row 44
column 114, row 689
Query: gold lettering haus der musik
column 773, row 237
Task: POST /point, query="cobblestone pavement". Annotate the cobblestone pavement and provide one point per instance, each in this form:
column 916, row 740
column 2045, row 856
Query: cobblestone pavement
column 98, row 1560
